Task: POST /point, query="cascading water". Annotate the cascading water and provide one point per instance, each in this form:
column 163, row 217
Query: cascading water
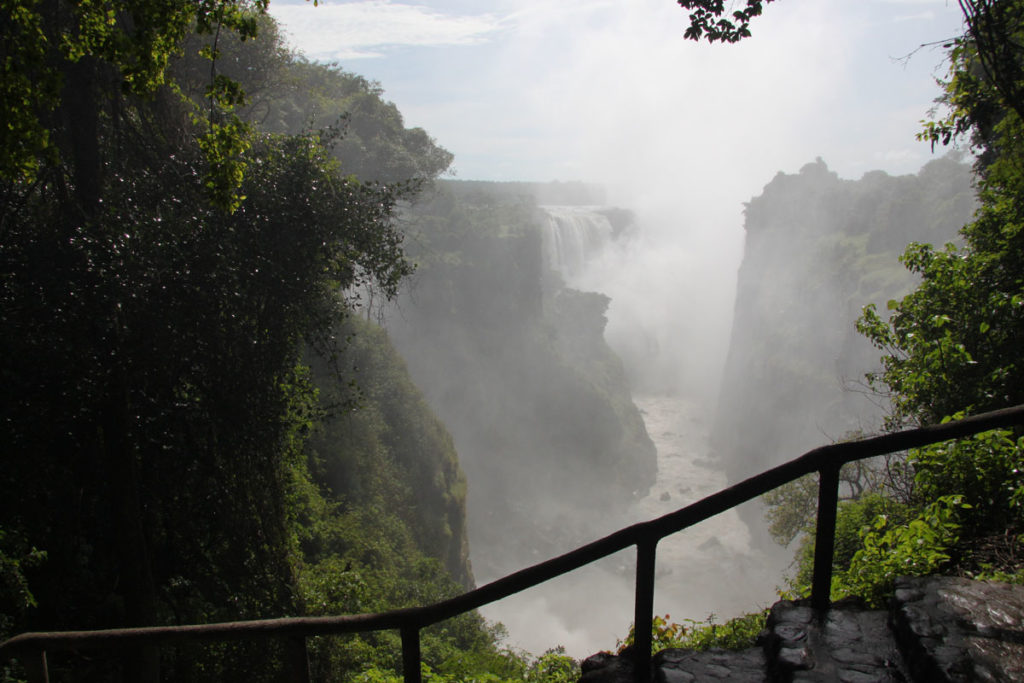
column 713, row 567
column 573, row 235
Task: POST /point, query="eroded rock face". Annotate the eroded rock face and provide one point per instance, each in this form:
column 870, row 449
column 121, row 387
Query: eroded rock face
column 679, row 666
column 955, row 629
column 817, row 249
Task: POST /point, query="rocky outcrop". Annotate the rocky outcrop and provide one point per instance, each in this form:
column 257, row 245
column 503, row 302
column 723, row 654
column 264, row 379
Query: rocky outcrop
column 938, row 630
column 954, row 629
column 515, row 364
column 818, row 248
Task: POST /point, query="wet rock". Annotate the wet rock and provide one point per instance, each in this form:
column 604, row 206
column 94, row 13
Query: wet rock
column 955, row 629
column 848, row 644
column 605, row 667
column 948, row 629
column 746, row 666
column 681, row 666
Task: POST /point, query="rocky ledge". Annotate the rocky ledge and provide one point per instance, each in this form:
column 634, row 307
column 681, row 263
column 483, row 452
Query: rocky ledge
column 938, row 629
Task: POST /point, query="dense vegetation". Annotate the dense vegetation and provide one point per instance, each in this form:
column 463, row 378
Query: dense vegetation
column 195, row 426
column 955, row 345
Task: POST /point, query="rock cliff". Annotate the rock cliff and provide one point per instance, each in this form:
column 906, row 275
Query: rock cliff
column 818, row 248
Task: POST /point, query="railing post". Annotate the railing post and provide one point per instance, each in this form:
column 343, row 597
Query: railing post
column 411, row 654
column 36, row 667
column 643, row 614
column 825, row 537
column 298, row 659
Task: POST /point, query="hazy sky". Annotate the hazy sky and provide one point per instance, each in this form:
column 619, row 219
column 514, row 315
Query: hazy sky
column 598, row 89
column 682, row 133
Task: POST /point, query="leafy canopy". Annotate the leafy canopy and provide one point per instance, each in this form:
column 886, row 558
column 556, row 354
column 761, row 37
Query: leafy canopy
column 58, row 56
column 707, row 20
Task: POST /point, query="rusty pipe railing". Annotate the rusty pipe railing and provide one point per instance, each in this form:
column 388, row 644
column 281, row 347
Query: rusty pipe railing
column 826, row 460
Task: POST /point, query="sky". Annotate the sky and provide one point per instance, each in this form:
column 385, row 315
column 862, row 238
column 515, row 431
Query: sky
column 683, row 134
column 600, row 90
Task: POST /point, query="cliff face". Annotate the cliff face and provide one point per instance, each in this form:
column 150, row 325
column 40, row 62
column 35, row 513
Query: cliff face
column 516, row 366
column 380, row 455
column 819, row 248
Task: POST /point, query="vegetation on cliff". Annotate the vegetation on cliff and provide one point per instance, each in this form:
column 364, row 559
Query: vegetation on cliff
column 195, row 427
column 818, row 248
column 516, row 365
column 955, row 345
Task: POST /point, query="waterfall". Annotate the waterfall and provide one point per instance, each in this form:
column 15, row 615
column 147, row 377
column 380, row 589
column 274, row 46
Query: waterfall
column 573, row 235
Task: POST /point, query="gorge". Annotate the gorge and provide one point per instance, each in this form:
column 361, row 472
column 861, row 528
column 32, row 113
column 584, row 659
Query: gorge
column 264, row 356
column 512, row 357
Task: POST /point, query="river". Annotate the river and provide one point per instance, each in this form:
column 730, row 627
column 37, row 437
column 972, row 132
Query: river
column 713, row 568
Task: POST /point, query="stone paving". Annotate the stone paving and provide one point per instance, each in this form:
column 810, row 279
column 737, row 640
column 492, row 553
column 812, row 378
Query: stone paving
column 938, row 629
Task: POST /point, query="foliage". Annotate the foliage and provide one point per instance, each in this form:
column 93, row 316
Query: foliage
column 737, row 633
column 986, row 470
column 285, row 93
column 554, row 667
column 160, row 323
column 919, row 547
column 551, row 667
column 378, row 505
column 706, row 20
column 792, row 508
column 62, row 57
column 954, row 345
column 985, row 77
column 852, row 517
column 953, row 342
column 15, row 559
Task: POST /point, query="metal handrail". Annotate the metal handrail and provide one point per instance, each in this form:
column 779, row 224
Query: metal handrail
column 826, row 460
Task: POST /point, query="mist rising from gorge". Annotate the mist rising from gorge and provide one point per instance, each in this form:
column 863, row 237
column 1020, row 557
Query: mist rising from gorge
column 681, row 136
column 502, row 339
column 672, row 288
column 510, row 350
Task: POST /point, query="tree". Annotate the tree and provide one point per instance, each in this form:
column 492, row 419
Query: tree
column 68, row 65
column 156, row 303
column 706, row 20
column 957, row 342
column 955, row 345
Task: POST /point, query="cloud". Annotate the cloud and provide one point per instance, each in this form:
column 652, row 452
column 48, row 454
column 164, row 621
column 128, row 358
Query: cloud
column 360, row 30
